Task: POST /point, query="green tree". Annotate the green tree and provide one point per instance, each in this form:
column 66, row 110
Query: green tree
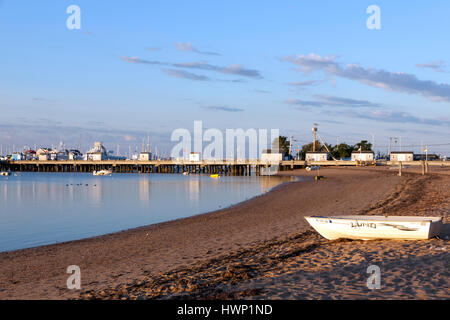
column 364, row 145
column 283, row 145
column 342, row 150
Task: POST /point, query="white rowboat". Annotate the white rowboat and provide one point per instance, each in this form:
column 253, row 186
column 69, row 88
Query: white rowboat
column 102, row 173
column 376, row 227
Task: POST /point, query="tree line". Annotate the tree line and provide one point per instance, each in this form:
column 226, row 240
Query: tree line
column 338, row 151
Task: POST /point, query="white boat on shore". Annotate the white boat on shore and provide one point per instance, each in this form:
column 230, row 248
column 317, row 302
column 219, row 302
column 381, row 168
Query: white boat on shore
column 376, row 227
column 102, row 173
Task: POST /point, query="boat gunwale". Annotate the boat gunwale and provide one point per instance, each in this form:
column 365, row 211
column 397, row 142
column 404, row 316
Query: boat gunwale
column 415, row 219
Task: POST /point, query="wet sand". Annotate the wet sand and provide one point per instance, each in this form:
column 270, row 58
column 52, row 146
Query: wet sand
column 260, row 249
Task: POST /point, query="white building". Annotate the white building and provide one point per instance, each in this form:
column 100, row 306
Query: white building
column 43, row 154
column 145, row 156
column 363, row 156
column 97, row 153
column 402, row 156
column 194, row 156
column 317, row 156
column 269, row 157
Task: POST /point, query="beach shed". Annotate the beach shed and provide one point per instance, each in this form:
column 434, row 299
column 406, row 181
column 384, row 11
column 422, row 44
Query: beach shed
column 269, row 156
column 363, row 155
column 145, row 156
column 194, row 156
column 402, row 156
column 317, row 156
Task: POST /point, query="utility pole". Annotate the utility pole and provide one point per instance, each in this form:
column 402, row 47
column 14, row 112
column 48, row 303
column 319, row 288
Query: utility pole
column 315, row 132
column 421, row 148
column 290, row 144
column 373, row 142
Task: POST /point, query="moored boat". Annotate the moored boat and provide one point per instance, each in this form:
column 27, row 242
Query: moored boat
column 5, row 173
column 102, row 173
column 215, row 176
column 376, row 227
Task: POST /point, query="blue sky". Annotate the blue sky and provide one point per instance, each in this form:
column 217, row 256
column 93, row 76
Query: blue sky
column 153, row 66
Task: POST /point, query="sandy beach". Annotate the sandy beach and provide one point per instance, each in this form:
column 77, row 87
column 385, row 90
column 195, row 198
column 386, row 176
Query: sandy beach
column 259, row 249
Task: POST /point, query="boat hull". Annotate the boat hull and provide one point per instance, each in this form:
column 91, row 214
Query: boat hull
column 376, row 227
column 102, row 173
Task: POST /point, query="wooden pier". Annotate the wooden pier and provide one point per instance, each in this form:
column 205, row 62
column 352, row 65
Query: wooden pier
column 223, row 167
column 236, row 167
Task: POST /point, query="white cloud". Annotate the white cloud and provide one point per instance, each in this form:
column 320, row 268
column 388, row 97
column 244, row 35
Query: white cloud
column 392, row 81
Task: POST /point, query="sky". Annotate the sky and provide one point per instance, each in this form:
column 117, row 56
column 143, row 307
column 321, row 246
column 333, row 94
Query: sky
column 138, row 68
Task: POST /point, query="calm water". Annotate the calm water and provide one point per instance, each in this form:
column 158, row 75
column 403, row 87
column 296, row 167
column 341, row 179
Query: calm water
column 44, row 208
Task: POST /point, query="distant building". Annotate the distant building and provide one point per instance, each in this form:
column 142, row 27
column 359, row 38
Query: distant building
column 95, row 156
column 269, row 156
column 317, row 156
column 17, row 156
column 44, row 157
column 97, row 153
column 75, row 155
column 194, row 156
column 363, row 156
column 29, row 154
column 145, row 156
column 53, row 155
column 43, row 154
column 62, row 155
column 402, row 156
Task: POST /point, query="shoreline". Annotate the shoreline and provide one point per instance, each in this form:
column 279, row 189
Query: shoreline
column 115, row 260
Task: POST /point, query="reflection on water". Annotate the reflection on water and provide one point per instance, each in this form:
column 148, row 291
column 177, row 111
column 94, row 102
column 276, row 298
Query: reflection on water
column 144, row 192
column 45, row 208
